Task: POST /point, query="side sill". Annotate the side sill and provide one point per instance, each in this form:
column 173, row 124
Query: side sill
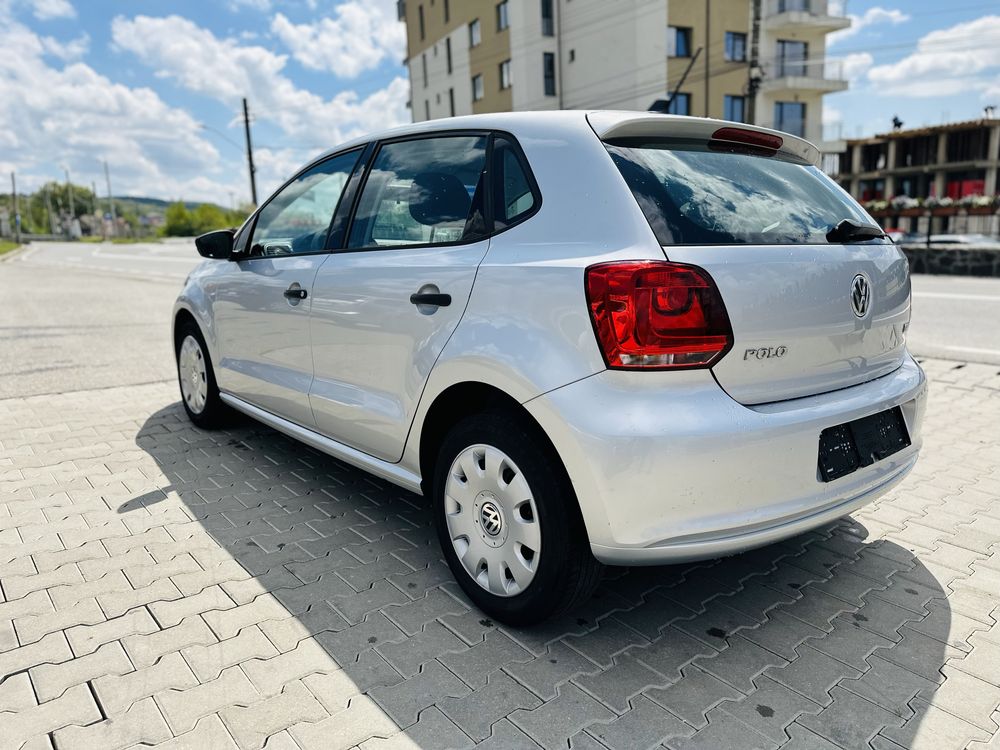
column 382, row 469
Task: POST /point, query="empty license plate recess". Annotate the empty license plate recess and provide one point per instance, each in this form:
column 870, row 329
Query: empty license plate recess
column 847, row 447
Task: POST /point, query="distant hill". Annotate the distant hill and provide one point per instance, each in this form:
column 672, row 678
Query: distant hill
column 154, row 205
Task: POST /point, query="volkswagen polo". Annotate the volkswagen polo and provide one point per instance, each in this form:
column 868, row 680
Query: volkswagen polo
column 587, row 338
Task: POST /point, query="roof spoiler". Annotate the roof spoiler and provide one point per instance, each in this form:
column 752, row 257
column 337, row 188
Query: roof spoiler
column 611, row 125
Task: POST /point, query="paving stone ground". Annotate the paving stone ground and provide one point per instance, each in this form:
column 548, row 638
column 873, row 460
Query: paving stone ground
column 162, row 585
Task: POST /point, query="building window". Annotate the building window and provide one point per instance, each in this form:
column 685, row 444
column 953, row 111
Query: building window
column 451, row 102
column 790, row 117
column 680, row 105
column 678, row 41
column 502, row 20
column 792, row 58
column 423, row 65
column 572, row 55
column 549, row 73
column 447, row 53
column 477, row 88
column 505, row 75
column 734, row 108
column 736, row 46
column 420, row 14
column 427, row 109
column 447, row 12
column 475, row 34
column 548, row 21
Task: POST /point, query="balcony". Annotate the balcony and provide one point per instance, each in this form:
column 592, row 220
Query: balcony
column 822, row 15
column 782, row 75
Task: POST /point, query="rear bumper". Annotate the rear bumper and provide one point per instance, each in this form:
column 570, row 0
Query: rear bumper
column 668, row 468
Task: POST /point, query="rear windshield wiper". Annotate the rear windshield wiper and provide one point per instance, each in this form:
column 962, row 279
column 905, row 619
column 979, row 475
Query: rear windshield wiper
column 849, row 231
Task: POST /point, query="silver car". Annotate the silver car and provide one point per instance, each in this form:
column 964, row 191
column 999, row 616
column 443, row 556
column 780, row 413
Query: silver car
column 587, row 338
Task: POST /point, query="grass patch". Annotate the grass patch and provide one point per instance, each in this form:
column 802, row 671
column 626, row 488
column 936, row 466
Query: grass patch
column 6, row 247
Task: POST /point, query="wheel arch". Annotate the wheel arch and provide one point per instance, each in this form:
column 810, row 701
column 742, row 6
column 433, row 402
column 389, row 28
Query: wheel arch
column 463, row 399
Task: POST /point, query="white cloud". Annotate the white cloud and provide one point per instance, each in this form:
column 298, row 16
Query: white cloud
column 832, row 115
column 74, row 49
column 855, row 65
column 872, row 17
column 962, row 58
column 357, row 37
column 262, row 5
column 71, row 115
column 225, row 70
column 45, row 10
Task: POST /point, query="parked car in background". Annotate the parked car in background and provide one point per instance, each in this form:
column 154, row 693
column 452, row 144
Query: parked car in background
column 587, row 338
column 963, row 239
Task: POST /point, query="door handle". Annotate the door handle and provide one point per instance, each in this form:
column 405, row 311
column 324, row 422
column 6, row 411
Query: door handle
column 296, row 293
column 435, row 300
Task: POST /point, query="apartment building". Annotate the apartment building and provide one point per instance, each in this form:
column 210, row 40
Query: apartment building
column 470, row 56
column 945, row 174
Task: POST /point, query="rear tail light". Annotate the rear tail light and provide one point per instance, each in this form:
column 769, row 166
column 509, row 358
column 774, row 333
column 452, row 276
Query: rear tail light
column 657, row 315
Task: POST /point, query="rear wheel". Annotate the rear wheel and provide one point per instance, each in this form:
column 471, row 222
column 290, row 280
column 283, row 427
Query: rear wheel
column 508, row 521
column 199, row 392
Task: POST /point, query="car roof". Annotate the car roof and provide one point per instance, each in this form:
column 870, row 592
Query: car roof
column 605, row 123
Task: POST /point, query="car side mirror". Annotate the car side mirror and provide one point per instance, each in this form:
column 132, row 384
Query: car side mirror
column 217, row 244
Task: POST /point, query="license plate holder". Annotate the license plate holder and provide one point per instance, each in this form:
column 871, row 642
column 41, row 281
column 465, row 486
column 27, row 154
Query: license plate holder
column 847, row 447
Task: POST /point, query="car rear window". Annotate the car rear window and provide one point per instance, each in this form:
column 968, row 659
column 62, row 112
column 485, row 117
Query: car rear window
column 693, row 194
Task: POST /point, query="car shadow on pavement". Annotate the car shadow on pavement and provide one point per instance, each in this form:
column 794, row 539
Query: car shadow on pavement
column 825, row 634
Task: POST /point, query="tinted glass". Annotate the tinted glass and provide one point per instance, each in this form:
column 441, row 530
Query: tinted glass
column 512, row 193
column 422, row 192
column 297, row 219
column 693, row 195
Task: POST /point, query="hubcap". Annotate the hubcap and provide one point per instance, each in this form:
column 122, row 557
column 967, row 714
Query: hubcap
column 492, row 520
column 192, row 373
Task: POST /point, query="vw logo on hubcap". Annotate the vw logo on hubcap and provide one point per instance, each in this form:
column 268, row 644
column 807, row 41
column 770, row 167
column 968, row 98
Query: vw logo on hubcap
column 490, row 518
column 861, row 295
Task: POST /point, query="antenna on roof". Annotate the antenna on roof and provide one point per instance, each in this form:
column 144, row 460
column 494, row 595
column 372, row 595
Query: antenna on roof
column 897, row 124
column 989, row 111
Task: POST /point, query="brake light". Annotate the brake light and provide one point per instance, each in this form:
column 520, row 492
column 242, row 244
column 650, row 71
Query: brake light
column 657, row 315
column 748, row 138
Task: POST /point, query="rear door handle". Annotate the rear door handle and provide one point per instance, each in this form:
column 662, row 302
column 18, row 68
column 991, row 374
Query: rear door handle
column 296, row 293
column 435, row 300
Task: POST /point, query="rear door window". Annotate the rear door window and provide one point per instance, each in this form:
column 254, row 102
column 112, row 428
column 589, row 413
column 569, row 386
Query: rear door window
column 694, row 195
column 426, row 191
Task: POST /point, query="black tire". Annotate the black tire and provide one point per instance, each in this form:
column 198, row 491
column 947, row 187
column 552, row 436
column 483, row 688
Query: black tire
column 567, row 572
column 215, row 413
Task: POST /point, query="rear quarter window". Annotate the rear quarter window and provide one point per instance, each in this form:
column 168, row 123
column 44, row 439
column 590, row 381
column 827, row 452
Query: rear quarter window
column 694, row 195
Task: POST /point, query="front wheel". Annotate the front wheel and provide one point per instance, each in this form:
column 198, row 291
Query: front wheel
column 508, row 522
column 199, row 392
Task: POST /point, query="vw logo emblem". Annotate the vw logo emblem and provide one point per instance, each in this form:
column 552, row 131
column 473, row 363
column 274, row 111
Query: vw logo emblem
column 861, row 295
column 489, row 516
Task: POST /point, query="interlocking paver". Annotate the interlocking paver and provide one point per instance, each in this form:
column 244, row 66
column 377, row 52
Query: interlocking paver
column 183, row 708
column 404, row 702
column 645, row 725
column 52, row 680
column 208, row 661
column 118, row 692
column 252, row 725
column 148, row 646
column 899, row 641
column 52, row 649
column 75, row 706
column 16, row 693
column 361, row 720
column 476, row 713
column 142, row 723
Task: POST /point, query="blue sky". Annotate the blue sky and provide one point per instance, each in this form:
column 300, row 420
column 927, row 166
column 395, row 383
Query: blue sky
column 154, row 87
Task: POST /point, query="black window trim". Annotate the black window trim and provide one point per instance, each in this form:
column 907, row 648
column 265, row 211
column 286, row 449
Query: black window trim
column 491, row 231
column 250, row 224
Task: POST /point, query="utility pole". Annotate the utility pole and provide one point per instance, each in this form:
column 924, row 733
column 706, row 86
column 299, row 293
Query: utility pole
column 17, row 212
column 48, row 209
column 755, row 73
column 687, row 70
column 111, row 202
column 69, row 189
column 93, row 197
column 246, row 130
